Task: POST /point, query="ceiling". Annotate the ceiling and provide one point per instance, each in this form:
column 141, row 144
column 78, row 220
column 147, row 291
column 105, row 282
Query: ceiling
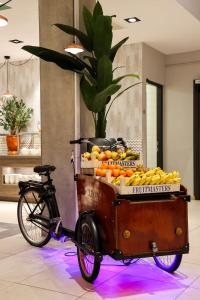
column 23, row 24
column 169, row 26
column 166, row 25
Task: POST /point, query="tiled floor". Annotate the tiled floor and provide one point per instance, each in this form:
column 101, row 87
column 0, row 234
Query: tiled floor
column 28, row 273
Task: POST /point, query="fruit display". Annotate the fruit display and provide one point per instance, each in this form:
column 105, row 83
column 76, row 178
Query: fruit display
column 108, row 155
column 138, row 176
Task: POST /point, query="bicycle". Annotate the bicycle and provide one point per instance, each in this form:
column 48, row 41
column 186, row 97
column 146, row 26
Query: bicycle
column 39, row 221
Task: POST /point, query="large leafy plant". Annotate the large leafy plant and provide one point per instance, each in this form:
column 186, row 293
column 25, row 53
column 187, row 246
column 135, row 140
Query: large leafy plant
column 14, row 115
column 97, row 83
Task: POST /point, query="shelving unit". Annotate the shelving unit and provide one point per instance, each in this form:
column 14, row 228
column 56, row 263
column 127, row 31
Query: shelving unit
column 10, row 192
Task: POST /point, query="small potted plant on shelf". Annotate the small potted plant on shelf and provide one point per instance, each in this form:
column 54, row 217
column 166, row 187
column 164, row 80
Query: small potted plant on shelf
column 14, row 116
column 99, row 86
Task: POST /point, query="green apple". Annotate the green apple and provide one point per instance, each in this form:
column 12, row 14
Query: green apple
column 114, row 155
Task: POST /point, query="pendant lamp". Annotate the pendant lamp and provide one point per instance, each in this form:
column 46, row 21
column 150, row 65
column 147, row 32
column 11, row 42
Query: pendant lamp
column 7, row 94
column 3, row 21
column 74, row 48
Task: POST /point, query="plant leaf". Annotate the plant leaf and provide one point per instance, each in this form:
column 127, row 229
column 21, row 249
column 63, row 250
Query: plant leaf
column 88, row 67
column 104, row 73
column 114, row 49
column 93, row 62
column 88, row 21
column 100, row 100
column 83, row 38
column 116, row 80
column 88, row 92
column 98, row 11
column 62, row 60
column 102, row 36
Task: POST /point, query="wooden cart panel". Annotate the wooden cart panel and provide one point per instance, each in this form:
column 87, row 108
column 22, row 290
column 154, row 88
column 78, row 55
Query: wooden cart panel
column 139, row 224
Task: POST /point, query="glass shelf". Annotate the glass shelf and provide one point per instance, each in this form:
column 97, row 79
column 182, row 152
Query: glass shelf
column 12, row 176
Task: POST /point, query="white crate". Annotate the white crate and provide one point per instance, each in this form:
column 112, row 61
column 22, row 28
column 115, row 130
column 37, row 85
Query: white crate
column 88, row 164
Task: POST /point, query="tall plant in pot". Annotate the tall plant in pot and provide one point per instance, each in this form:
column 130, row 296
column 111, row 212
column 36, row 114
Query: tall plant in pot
column 99, row 87
column 14, row 116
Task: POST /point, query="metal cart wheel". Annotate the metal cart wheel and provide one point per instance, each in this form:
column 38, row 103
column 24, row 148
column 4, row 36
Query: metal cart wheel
column 34, row 232
column 87, row 238
column 168, row 263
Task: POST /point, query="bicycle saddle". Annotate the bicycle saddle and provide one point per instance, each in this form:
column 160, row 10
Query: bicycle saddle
column 44, row 170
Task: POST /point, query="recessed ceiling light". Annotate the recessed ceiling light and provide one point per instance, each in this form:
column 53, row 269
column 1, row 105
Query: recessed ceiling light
column 16, row 41
column 132, row 20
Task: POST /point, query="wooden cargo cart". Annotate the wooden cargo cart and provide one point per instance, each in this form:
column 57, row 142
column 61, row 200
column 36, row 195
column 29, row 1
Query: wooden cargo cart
column 130, row 226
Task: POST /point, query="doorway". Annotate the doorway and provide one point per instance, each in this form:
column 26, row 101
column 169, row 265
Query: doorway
column 154, row 113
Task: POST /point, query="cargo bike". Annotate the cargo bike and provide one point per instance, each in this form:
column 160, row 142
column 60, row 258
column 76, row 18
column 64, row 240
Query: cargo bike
column 122, row 226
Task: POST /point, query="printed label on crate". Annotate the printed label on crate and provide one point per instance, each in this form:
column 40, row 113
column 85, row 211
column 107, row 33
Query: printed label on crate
column 124, row 163
column 149, row 189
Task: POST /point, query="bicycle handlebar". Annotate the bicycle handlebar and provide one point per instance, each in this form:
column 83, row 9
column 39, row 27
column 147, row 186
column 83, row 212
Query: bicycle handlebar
column 76, row 141
column 84, row 140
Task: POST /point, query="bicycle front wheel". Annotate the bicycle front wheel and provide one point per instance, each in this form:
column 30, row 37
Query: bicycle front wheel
column 34, row 218
column 88, row 239
column 168, row 263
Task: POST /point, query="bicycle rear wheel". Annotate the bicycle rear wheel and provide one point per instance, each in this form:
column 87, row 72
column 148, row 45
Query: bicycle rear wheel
column 168, row 263
column 88, row 238
column 34, row 218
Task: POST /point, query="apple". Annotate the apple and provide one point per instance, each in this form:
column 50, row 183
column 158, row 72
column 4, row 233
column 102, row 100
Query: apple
column 108, row 154
column 102, row 156
column 87, row 155
column 96, row 148
column 95, row 155
column 114, row 155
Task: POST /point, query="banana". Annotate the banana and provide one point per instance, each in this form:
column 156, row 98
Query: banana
column 155, row 179
column 148, row 180
column 143, row 179
column 136, row 181
column 129, row 181
column 132, row 157
column 150, row 173
column 177, row 180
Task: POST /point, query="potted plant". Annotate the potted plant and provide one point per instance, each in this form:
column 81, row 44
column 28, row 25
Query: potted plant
column 14, row 116
column 98, row 85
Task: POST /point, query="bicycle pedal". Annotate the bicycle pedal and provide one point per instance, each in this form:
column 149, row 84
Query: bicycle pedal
column 64, row 239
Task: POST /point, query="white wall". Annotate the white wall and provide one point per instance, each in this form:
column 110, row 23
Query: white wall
column 124, row 118
column 24, row 82
column 181, row 70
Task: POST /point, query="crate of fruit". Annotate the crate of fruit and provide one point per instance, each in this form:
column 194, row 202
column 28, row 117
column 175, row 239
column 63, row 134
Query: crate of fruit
column 94, row 159
column 139, row 180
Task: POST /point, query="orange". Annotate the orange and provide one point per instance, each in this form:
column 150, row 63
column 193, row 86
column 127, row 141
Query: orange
column 103, row 173
column 116, row 172
column 122, row 172
column 98, row 172
column 112, row 167
column 129, row 173
column 118, row 167
column 104, row 166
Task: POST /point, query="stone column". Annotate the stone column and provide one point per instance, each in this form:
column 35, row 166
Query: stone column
column 86, row 120
column 58, row 105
